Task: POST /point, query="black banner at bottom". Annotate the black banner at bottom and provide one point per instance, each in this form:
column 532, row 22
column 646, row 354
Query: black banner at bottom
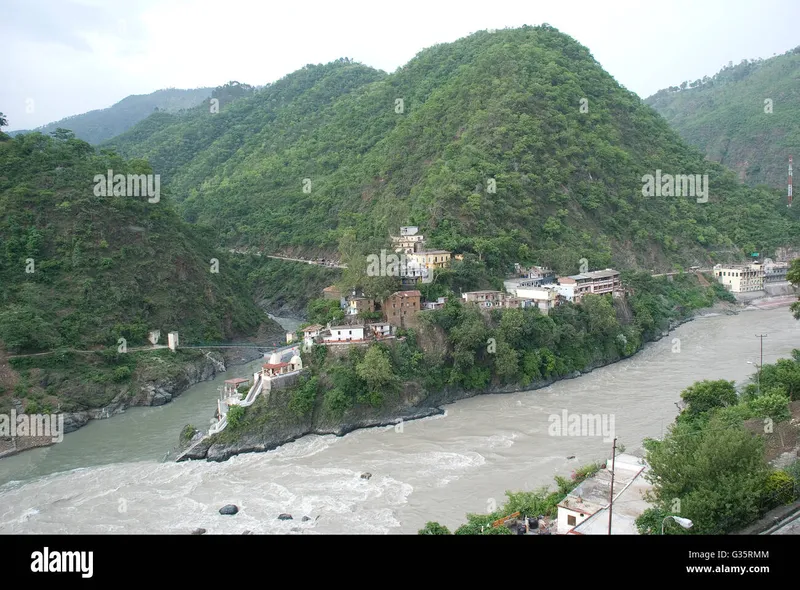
column 84, row 559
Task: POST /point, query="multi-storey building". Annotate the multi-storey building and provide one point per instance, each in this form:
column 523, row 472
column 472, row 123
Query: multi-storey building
column 401, row 308
column 597, row 282
column 740, row 278
column 775, row 272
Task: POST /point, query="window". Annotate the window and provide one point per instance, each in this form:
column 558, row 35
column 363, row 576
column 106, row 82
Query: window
column 571, row 520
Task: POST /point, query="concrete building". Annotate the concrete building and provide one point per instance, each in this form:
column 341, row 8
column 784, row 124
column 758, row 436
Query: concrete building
column 431, row 259
column 438, row 304
column 311, row 333
column 408, row 243
column 597, row 282
column 585, row 510
column 775, row 272
column 545, row 298
column 485, row 298
column 740, row 278
column 345, row 334
column 380, row 329
column 275, row 367
column 537, row 275
column 401, row 308
column 357, row 303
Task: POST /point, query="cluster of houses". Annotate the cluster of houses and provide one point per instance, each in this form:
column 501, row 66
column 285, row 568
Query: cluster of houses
column 744, row 278
column 420, row 262
column 537, row 286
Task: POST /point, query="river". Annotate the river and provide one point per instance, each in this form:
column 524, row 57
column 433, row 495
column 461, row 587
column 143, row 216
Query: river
column 109, row 477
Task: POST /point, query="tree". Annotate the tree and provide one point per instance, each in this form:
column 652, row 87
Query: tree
column 3, row 120
column 705, row 395
column 434, row 528
column 793, row 276
column 714, row 476
column 376, row 369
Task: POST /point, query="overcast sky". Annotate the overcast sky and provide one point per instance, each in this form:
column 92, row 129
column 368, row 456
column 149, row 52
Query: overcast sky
column 65, row 57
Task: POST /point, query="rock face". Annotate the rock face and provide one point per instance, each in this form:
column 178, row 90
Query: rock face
column 229, row 509
column 413, row 403
column 284, row 516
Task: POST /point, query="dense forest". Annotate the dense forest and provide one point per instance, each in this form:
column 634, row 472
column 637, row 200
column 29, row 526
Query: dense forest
column 80, row 271
column 97, row 126
column 513, row 145
column 746, row 116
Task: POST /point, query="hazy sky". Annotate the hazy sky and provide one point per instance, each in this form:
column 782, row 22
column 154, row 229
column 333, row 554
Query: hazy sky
column 65, row 57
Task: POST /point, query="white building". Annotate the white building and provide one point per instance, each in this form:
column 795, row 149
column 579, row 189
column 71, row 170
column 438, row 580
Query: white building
column 345, row 334
column 585, row 509
column 380, row 329
column 545, row 297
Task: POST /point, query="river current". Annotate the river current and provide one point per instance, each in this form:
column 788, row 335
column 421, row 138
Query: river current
column 110, row 476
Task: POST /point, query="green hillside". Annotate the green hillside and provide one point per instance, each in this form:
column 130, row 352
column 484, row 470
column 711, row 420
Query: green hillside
column 728, row 116
column 102, row 124
column 503, row 106
column 80, row 271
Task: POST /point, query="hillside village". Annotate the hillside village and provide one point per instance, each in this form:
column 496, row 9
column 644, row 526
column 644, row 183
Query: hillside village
column 533, row 286
column 527, row 286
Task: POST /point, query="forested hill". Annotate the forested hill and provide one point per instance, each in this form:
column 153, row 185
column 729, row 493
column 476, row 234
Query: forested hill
column 512, row 145
column 80, row 271
column 746, row 116
column 102, row 124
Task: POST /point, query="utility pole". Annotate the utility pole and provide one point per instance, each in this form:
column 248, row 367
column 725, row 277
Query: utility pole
column 611, row 498
column 761, row 363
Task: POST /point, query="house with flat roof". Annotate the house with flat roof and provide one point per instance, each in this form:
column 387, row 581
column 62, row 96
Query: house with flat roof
column 596, row 282
column 345, row 334
column 584, row 511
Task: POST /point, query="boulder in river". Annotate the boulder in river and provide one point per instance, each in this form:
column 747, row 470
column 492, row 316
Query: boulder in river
column 199, row 532
column 229, row 509
column 366, row 475
column 284, row 516
column 306, row 518
column 247, row 533
column 571, row 457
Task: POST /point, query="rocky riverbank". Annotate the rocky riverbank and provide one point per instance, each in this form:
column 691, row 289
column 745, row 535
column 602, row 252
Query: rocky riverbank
column 149, row 392
column 281, row 426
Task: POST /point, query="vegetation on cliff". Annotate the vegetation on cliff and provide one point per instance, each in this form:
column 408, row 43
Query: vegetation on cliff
column 82, row 272
column 513, row 146
column 100, row 125
column 746, row 116
column 462, row 348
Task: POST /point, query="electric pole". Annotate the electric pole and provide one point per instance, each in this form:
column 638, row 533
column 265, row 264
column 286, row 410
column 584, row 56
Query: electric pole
column 611, row 498
column 761, row 362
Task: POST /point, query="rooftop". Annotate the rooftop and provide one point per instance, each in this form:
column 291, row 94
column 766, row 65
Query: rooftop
column 312, row 328
column 407, row 294
column 237, row 381
column 596, row 274
column 629, row 502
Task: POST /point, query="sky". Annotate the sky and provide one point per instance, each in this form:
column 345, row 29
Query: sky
column 66, row 57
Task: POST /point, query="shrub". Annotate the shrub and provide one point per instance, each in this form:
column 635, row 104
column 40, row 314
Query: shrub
column 779, row 489
column 235, row 416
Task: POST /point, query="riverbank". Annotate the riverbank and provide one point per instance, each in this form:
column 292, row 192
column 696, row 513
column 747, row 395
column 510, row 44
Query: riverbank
column 446, row 465
column 281, row 426
column 151, row 392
